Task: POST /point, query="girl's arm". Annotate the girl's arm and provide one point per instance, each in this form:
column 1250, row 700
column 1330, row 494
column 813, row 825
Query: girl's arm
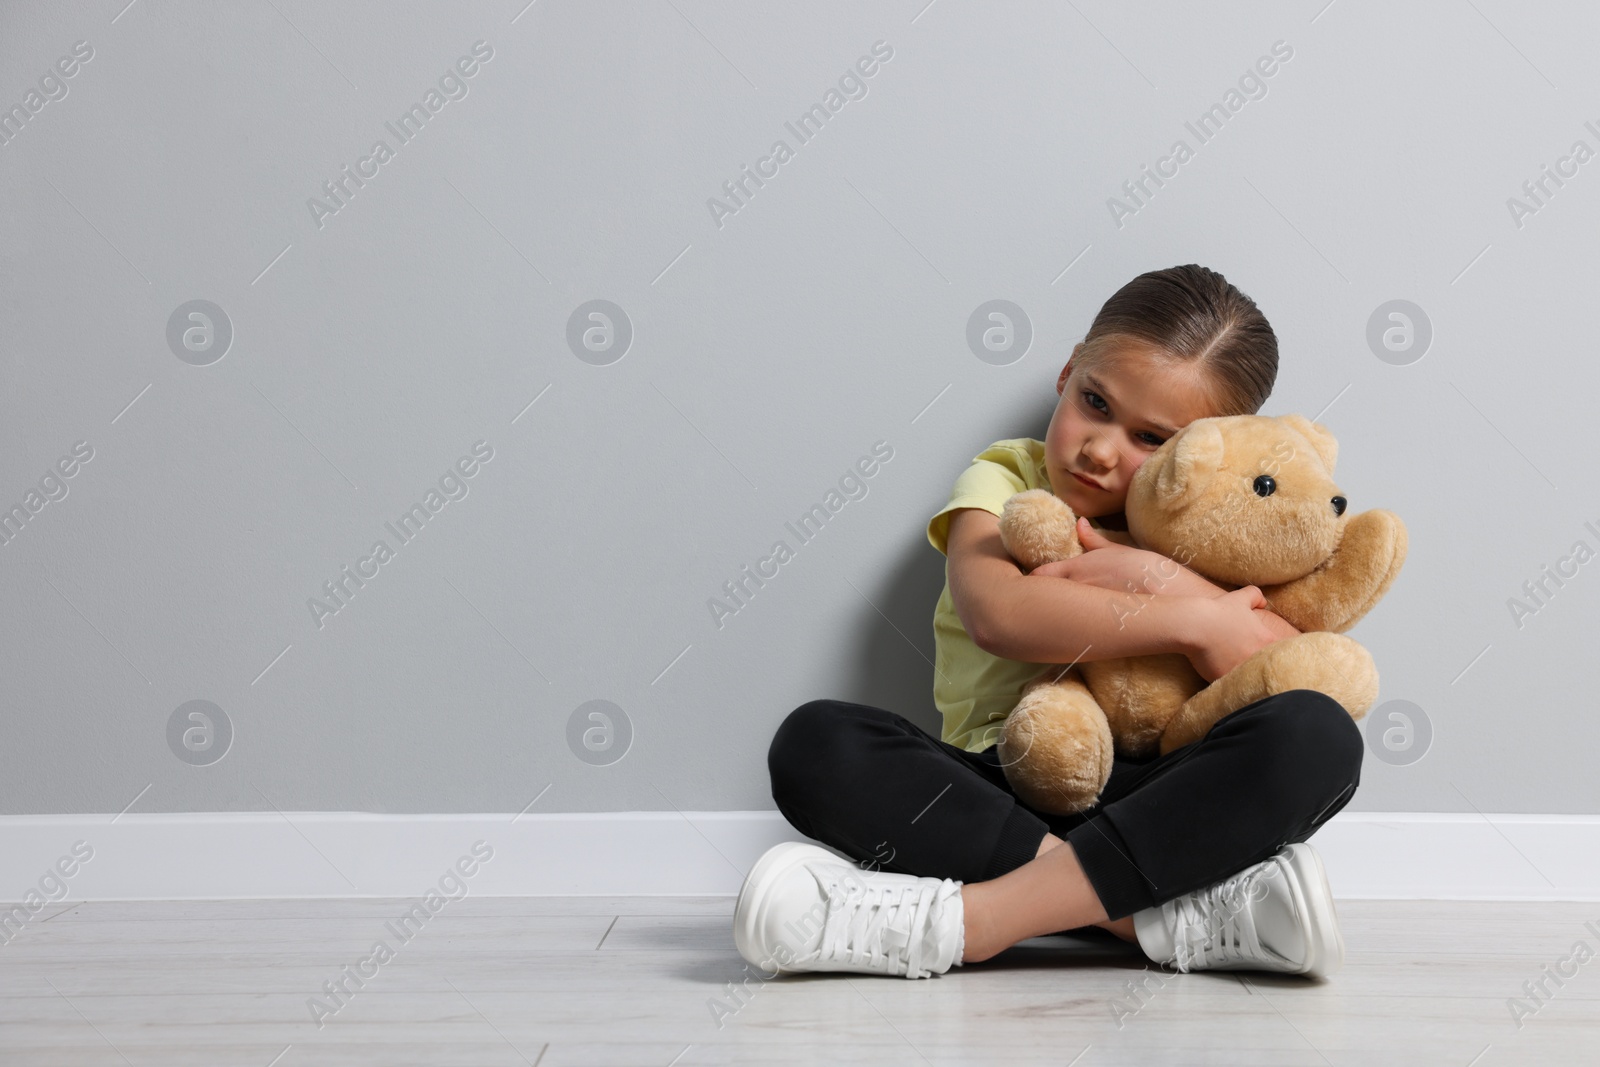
column 1114, row 565
column 1038, row 620
column 1055, row 620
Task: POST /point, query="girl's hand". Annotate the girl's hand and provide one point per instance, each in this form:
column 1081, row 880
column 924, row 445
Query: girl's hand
column 1231, row 628
column 1106, row 564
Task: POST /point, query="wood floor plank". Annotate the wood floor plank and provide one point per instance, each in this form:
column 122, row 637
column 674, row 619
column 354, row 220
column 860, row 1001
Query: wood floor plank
column 577, row 981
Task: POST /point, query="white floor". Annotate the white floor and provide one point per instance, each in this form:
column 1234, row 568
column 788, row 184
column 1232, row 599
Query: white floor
column 555, row 981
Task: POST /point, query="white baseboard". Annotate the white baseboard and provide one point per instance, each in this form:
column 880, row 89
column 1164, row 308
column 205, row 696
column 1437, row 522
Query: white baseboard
column 1369, row 855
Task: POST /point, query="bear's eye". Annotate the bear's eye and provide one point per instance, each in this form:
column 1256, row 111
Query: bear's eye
column 1264, row 485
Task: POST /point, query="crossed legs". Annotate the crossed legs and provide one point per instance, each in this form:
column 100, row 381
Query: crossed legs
column 878, row 788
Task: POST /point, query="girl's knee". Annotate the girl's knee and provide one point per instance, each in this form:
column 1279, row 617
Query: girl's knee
column 804, row 741
column 1311, row 738
column 804, row 726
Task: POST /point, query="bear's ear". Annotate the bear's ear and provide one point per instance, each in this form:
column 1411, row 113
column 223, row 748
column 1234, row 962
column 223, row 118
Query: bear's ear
column 1196, row 456
column 1325, row 443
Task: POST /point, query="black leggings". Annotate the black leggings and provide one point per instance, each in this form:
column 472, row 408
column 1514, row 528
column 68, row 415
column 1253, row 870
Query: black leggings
column 877, row 787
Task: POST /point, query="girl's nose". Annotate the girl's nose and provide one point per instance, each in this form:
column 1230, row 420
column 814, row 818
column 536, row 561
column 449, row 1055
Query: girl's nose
column 1101, row 454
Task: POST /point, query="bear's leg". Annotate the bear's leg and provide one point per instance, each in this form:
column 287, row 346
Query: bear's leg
column 1056, row 746
column 1328, row 663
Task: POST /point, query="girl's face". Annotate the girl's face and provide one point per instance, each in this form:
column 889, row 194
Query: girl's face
column 1108, row 421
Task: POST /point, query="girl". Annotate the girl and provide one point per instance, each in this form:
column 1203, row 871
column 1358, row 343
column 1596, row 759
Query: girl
column 1197, row 856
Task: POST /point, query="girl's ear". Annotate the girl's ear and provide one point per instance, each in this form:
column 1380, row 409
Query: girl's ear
column 1197, row 451
column 1061, row 382
column 1325, row 443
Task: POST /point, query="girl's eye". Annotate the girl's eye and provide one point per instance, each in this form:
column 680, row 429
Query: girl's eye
column 1091, row 396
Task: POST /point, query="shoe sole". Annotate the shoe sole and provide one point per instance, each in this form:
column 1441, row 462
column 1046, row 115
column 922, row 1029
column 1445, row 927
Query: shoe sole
column 1324, row 941
column 753, row 894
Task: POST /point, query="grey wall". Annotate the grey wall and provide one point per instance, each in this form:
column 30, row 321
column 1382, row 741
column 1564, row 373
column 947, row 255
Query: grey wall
column 373, row 346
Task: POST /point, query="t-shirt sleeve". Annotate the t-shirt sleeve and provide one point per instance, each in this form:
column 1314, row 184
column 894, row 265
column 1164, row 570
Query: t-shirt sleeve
column 993, row 478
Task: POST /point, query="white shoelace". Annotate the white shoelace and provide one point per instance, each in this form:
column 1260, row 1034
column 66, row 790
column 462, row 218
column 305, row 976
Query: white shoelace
column 1215, row 925
column 883, row 924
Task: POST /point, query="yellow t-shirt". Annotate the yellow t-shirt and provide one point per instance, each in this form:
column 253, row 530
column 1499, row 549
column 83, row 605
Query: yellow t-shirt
column 973, row 689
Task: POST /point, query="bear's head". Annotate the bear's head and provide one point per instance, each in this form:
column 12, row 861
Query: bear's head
column 1242, row 499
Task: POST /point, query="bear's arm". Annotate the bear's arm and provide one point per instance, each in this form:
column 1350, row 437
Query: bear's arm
column 1336, row 596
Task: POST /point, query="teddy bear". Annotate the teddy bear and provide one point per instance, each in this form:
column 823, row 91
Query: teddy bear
column 1241, row 500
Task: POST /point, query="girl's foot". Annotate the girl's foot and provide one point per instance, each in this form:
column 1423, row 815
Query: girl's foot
column 1275, row 916
column 802, row 908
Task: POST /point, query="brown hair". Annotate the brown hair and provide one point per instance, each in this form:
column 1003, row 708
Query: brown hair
column 1190, row 314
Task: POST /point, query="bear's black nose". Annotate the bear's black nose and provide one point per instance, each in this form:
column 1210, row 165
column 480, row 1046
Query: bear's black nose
column 1339, row 504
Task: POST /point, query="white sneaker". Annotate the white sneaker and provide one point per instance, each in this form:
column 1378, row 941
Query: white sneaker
column 802, row 908
column 1275, row 916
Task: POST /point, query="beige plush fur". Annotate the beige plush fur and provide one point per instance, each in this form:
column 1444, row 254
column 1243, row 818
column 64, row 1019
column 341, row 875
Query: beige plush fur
column 1196, row 500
